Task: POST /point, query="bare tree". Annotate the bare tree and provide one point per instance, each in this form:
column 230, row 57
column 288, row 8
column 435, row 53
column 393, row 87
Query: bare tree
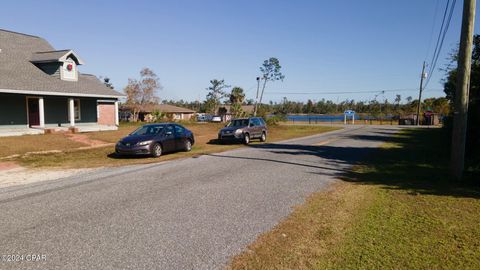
column 142, row 91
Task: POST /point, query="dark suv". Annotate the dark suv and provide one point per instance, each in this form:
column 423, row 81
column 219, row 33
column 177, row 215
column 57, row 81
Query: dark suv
column 244, row 129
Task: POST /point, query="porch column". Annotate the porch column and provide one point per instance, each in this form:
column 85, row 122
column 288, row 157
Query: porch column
column 116, row 113
column 71, row 112
column 41, row 112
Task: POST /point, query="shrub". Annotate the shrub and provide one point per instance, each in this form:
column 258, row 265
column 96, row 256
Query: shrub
column 274, row 120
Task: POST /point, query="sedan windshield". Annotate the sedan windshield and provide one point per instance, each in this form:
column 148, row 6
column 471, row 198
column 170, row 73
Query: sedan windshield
column 148, row 130
column 238, row 123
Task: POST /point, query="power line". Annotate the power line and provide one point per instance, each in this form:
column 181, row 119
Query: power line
column 344, row 92
column 433, row 28
column 440, row 31
column 441, row 37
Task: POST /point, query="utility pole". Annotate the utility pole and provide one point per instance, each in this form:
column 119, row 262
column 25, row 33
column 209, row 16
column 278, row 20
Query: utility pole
column 420, row 93
column 459, row 133
column 256, row 98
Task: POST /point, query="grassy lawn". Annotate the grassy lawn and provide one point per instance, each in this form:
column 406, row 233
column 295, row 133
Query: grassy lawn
column 395, row 211
column 204, row 134
column 33, row 143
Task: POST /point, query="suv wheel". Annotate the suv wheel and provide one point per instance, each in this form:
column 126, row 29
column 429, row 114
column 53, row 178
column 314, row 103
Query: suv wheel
column 246, row 138
column 263, row 138
column 156, row 150
column 187, row 146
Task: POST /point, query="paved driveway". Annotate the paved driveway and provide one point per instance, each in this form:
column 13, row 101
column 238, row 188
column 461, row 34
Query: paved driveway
column 193, row 213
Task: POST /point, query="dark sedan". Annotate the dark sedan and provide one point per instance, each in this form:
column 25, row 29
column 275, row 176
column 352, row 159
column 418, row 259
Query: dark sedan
column 156, row 139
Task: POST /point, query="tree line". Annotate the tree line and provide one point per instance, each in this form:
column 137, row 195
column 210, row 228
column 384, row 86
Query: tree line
column 376, row 108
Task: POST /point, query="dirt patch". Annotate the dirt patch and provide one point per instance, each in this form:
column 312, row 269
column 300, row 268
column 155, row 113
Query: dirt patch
column 82, row 138
column 16, row 175
column 8, row 165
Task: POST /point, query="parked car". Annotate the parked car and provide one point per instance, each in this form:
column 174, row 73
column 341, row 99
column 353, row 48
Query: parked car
column 156, row 139
column 216, row 119
column 201, row 118
column 244, row 129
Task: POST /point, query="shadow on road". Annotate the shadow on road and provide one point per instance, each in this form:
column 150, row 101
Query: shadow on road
column 219, row 142
column 415, row 160
column 278, row 161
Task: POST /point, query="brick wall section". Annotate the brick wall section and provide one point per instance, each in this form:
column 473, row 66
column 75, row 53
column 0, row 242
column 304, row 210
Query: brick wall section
column 106, row 114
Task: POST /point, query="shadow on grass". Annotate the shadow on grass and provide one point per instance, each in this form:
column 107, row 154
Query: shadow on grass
column 415, row 160
column 114, row 155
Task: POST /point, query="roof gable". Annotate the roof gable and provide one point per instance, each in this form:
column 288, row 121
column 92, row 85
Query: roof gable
column 18, row 74
column 56, row 56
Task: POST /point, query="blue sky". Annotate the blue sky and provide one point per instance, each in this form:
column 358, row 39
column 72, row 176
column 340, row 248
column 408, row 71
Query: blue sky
column 323, row 46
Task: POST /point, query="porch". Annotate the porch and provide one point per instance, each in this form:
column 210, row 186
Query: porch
column 81, row 127
column 23, row 114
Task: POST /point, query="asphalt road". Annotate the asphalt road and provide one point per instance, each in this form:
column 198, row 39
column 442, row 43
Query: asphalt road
column 193, row 213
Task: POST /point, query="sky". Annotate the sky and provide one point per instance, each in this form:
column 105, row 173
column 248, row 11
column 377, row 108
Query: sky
column 326, row 48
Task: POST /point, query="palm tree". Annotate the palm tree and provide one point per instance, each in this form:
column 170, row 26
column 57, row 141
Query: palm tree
column 237, row 96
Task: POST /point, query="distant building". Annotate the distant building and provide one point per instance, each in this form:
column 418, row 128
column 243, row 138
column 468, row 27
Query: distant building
column 429, row 118
column 146, row 111
column 41, row 87
column 225, row 111
column 248, row 109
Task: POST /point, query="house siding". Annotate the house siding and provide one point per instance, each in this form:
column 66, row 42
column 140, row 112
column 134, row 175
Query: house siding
column 13, row 110
column 88, row 110
column 56, row 110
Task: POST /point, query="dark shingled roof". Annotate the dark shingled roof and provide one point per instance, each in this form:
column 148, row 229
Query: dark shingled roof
column 48, row 56
column 17, row 72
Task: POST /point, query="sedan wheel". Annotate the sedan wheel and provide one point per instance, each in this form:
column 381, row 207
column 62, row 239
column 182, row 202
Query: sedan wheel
column 188, row 145
column 246, row 139
column 156, row 150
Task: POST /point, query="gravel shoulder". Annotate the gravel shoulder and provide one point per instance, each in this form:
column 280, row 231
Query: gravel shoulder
column 16, row 175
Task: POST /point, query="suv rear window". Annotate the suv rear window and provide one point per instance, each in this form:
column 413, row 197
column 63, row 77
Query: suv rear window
column 256, row 122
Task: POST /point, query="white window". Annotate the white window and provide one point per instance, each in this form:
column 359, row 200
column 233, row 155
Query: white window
column 76, row 109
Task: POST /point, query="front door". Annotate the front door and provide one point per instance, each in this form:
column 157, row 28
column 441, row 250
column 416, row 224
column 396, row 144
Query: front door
column 33, row 112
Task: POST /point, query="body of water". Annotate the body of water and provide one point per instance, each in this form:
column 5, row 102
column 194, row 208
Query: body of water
column 329, row 118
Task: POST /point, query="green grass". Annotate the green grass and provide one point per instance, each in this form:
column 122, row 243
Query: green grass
column 395, row 210
column 418, row 219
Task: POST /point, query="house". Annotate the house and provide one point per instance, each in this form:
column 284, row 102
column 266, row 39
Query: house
column 225, row 111
column 41, row 88
column 146, row 111
column 428, row 118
